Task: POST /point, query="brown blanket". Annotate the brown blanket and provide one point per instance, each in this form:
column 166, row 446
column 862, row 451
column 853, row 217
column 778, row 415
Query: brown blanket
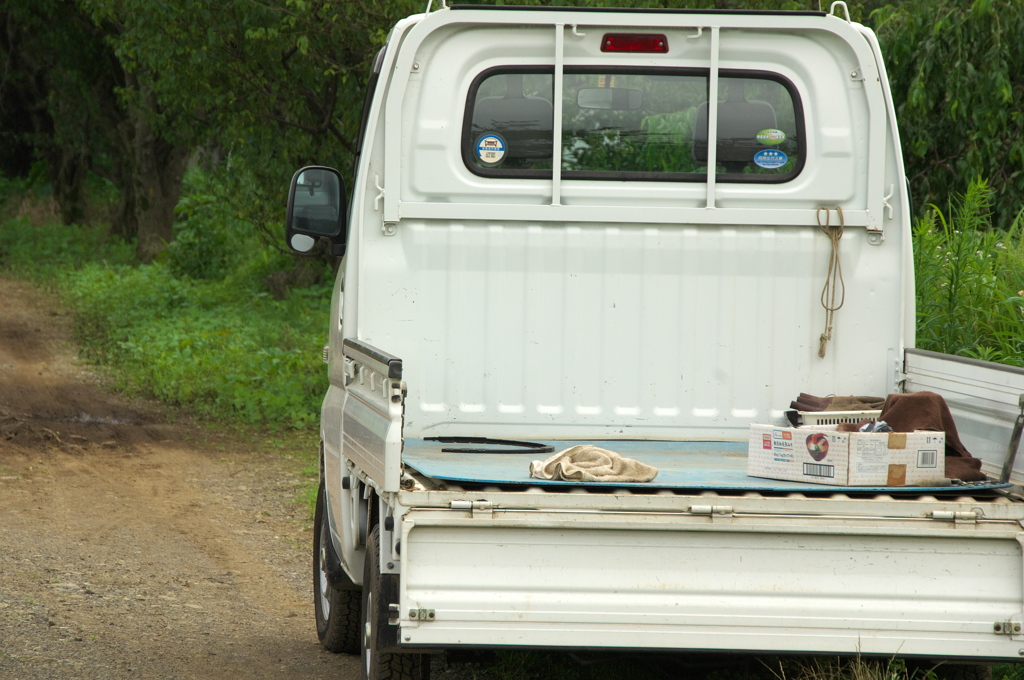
column 928, row 411
column 811, row 403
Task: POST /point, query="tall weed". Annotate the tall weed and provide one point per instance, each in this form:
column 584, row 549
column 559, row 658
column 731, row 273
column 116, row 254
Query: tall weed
column 970, row 280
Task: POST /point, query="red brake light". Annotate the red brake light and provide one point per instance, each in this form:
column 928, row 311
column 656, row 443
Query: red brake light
column 634, row 42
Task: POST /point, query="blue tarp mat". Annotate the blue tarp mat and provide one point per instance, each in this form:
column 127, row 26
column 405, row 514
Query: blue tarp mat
column 681, row 465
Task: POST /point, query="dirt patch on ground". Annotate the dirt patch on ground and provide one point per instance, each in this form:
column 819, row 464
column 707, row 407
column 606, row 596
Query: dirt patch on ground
column 134, row 546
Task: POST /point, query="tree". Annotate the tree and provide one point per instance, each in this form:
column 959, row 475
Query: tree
column 53, row 61
column 270, row 85
column 130, row 88
column 957, row 75
column 85, row 111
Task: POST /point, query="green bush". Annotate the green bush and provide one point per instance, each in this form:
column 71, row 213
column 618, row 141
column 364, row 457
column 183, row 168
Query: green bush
column 211, row 239
column 217, row 349
column 198, row 328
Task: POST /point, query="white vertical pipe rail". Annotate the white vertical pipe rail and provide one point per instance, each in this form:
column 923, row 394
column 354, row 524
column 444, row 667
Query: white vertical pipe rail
column 713, row 117
column 556, row 124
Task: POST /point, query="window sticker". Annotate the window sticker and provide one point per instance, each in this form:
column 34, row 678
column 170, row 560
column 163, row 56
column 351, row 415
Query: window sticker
column 771, row 136
column 491, row 149
column 770, row 158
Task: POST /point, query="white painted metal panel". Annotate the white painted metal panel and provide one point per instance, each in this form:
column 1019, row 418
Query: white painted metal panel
column 579, row 587
column 839, row 113
column 625, row 331
column 828, row 59
column 630, row 309
column 372, row 426
column 984, row 398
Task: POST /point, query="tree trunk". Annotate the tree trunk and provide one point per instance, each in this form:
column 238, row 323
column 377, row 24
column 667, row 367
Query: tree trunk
column 67, row 168
column 69, row 159
column 158, row 170
column 66, row 163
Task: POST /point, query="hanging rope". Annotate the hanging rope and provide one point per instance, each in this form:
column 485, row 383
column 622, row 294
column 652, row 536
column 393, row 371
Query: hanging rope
column 835, row 275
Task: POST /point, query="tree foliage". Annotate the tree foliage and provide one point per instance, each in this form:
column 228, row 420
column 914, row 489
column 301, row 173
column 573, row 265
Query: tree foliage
column 56, row 95
column 262, row 86
column 256, row 88
column 957, row 74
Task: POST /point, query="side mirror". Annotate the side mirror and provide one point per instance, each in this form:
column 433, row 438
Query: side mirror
column 316, row 209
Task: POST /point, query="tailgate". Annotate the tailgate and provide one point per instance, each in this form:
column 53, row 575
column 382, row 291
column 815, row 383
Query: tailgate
column 886, row 577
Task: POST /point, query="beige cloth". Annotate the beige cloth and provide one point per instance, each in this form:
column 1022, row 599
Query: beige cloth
column 586, row 463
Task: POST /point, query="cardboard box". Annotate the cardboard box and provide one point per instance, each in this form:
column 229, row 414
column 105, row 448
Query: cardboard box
column 846, row 458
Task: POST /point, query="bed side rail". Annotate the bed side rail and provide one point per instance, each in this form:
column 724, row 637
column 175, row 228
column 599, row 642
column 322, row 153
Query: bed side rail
column 985, row 398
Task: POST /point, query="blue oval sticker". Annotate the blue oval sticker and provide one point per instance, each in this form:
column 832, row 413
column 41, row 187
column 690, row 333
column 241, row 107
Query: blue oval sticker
column 770, row 158
column 490, row 149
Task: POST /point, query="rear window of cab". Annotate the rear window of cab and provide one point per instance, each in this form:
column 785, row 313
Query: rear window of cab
column 630, row 124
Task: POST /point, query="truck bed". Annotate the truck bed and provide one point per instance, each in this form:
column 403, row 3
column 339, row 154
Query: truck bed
column 703, row 558
column 719, row 466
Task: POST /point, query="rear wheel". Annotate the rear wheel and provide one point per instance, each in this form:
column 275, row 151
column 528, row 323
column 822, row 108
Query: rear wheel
column 336, row 598
column 380, row 590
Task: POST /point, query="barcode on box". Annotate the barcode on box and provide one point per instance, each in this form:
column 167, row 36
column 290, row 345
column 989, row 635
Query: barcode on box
column 819, row 470
column 927, row 458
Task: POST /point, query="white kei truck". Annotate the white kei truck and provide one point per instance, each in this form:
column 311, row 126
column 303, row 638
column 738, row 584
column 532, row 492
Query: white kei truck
column 542, row 249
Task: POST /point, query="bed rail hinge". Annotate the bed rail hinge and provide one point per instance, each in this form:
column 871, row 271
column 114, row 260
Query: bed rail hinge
column 722, row 510
column 481, row 509
column 971, row 517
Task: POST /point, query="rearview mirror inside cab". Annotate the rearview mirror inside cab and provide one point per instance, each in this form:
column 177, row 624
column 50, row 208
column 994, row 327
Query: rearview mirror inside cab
column 316, row 209
column 609, row 98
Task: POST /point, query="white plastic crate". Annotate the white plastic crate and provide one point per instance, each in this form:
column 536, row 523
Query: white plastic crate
column 816, row 418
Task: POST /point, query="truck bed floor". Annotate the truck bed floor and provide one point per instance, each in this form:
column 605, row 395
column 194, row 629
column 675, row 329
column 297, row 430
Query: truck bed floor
column 681, row 465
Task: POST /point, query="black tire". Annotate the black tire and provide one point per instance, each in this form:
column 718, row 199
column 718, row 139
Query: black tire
column 336, row 599
column 380, row 660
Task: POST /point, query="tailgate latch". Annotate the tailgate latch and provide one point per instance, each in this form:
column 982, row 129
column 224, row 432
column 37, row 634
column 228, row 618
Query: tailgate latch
column 422, row 615
column 1006, row 628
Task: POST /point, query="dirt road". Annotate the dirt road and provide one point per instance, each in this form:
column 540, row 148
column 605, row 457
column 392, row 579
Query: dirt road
column 136, row 546
column 131, row 547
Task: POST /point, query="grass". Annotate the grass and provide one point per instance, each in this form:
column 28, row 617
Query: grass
column 199, row 328
column 539, row 665
column 970, row 281
column 219, row 344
